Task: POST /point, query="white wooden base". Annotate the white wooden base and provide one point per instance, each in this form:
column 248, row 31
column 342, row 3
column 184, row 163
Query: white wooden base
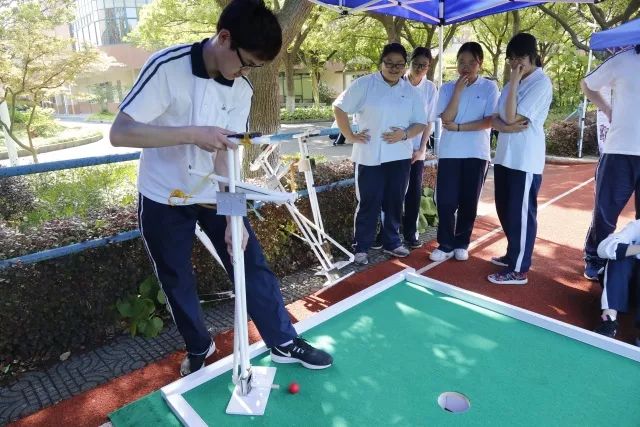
column 255, row 402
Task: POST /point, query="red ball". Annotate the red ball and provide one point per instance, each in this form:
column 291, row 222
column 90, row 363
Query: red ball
column 294, row 388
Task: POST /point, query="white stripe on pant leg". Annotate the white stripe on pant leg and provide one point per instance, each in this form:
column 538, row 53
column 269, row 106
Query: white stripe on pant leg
column 153, row 262
column 355, row 215
column 593, row 212
column 524, row 219
column 604, row 301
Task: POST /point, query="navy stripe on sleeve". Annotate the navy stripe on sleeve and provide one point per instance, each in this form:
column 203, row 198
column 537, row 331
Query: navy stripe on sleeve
column 140, row 83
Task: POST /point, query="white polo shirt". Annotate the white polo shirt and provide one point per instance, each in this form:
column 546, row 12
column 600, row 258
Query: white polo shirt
column 429, row 94
column 477, row 101
column 174, row 89
column 378, row 107
column 622, row 73
column 525, row 150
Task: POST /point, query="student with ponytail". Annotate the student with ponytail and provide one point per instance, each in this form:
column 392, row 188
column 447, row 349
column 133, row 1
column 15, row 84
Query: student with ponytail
column 520, row 155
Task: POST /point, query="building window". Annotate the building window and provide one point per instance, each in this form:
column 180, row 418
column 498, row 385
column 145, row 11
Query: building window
column 302, row 90
column 104, row 22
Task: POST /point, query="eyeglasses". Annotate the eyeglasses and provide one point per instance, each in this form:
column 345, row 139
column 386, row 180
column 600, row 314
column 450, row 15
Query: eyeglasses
column 391, row 65
column 245, row 66
column 516, row 58
column 468, row 64
column 419, row 66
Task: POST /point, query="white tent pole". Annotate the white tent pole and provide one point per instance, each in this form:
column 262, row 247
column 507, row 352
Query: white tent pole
column 12, row 148
column 438, row 124
column 583, row 113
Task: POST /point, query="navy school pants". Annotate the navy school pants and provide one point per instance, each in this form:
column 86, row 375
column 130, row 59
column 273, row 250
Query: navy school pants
column 516, row 194
column 412, row 202
column 619, row 283
column 458, row 187
column 380, row 188
column 168, row 233
column 617, row 177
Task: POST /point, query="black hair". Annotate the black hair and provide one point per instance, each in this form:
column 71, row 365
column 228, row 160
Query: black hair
column 524, row 44
column 253, row 27
column 638, row 49
column 474, row 49
column 421, row 51
column 393, row 48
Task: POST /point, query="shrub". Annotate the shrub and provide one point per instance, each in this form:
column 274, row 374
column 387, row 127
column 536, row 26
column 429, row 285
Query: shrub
column 562, row 137
column 307, row 113
column 16, row 197
column 43, row 124
column 327, row 95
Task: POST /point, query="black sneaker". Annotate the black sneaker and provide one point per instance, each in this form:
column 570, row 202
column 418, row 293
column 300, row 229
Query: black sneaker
column 607, row 327
column 377, row 244
column 413, row 243
column 193, row 362
column 300, row 351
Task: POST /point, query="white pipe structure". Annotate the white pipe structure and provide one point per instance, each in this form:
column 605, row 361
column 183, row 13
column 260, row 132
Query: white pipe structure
column 437, row 132
column 583, row 113
column 304, row 165
column 312, row 232
column 241, row 366
column 252, row 384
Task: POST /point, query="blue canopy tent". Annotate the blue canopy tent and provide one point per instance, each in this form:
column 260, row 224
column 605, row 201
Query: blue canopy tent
column 627, row 34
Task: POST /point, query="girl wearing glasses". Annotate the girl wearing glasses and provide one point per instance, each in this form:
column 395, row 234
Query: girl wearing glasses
column 465, row 107
column 389, row 112
column 522, row 109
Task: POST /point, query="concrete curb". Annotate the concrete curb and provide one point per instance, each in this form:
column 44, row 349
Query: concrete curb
column 57, row 146
column 557, row 160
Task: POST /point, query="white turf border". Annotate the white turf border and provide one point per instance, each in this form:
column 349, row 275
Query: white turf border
column 172, row 393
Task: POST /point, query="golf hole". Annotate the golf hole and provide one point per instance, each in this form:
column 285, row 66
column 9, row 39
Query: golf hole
column 452, row 401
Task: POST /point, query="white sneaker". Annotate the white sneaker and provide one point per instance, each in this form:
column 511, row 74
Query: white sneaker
column 193, row 363
column 461, row 254
column 439, row 255
column 361, row 258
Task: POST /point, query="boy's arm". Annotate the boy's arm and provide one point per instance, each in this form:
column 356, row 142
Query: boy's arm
column 622, row 244
column 126, row 132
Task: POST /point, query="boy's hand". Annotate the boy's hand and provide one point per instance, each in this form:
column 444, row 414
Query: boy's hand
column 212, row 138
column 228, row 240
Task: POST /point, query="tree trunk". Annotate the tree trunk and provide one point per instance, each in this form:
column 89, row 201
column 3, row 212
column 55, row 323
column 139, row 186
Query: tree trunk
column 265, row 107
column 290, row 96
column 392, row 26
column 495, row 60
column 265, row 111
column 34, row 153
column 314, row 71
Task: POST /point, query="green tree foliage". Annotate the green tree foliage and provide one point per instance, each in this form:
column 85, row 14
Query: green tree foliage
column 34, row 61
column 167, row 22
column 580, row 20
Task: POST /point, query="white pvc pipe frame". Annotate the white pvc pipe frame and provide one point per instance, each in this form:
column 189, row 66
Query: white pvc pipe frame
column 241, row 374
column 312, row 232
column 173, row 393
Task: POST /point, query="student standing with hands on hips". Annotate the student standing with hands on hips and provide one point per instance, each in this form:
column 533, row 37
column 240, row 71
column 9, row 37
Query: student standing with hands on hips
column 389, row 113
column 520, row 155
column 417, row 77
column 466, row 108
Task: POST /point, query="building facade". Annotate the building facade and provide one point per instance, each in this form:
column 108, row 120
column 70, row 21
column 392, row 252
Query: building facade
column 104, row 24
